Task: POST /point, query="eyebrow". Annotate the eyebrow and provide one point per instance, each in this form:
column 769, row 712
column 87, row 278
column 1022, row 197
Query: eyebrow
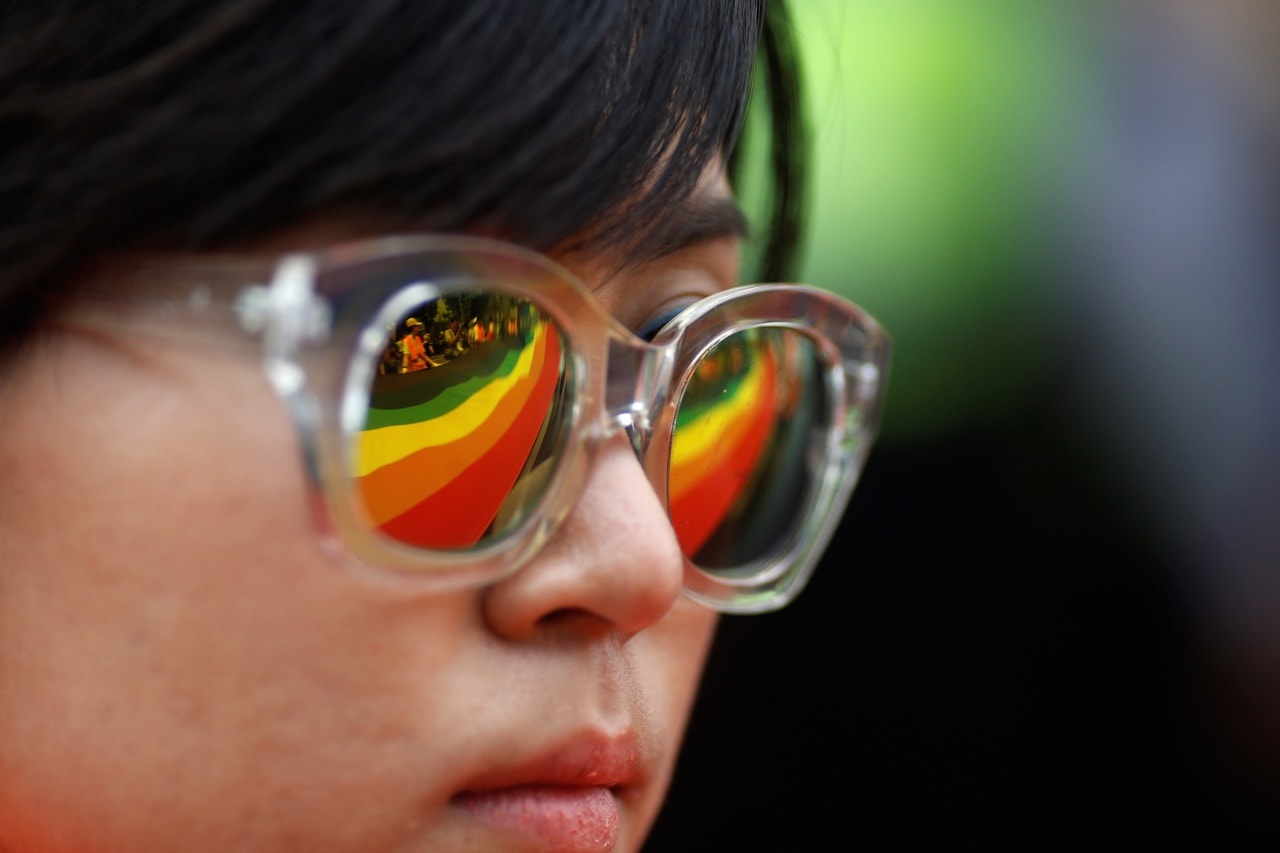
column 701, row 219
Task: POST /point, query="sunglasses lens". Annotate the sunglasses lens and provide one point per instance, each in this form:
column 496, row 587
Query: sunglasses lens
column 466, row 418
column 749, row 425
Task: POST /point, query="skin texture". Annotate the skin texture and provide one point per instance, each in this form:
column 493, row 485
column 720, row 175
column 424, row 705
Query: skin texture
column 183, row 667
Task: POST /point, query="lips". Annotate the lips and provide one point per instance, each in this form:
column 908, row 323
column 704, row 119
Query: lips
column 567, row 818
column 566, row 799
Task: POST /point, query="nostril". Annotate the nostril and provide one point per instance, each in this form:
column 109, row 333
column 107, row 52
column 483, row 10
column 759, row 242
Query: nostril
column 564, row 614
column 577, row 622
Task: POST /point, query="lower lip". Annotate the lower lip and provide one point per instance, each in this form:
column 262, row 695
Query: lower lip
column 572, row 819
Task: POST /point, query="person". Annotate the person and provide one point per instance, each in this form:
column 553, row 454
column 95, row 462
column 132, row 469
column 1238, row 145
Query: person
column 454, row 339
column 413, row 355
column 475, row 615
column 392, row 358
column 434, row 355
column 413, row 348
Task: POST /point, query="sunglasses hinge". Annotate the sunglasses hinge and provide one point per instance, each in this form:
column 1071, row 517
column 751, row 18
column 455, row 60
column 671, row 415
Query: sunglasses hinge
column 287, row 311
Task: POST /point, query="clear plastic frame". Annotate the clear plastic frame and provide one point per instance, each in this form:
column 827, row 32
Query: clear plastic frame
column 751, row 412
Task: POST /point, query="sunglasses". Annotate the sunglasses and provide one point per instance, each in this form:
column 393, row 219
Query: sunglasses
column 450, row 393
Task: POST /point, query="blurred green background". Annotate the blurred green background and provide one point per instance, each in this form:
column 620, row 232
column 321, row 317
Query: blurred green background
column 937, row 130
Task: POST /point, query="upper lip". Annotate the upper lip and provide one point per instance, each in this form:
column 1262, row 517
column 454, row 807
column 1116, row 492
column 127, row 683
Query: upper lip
column 590, row 759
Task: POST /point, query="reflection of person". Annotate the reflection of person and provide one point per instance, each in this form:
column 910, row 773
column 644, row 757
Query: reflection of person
column 455, row 340
column 413, row 355
column 392, row 359
column 434, row 356
column 413, row 348
column 184, row 665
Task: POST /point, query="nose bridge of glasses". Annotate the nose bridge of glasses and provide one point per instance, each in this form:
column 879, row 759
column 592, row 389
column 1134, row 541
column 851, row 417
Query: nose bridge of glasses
column 637, row 386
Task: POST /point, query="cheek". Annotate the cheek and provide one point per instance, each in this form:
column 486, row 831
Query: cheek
column 114, row 634
column 140, row 456
column 669, row 660
column 675, row 651
column 121, row 479
column 172, row 638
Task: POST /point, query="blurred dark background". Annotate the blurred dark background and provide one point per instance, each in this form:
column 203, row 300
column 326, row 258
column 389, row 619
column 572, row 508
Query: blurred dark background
column 1051, row 617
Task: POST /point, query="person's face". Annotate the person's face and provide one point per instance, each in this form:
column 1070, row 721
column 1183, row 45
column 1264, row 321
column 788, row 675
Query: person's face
column 182, row 667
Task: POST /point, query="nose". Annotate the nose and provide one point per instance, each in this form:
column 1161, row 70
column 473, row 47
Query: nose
column 613, row 566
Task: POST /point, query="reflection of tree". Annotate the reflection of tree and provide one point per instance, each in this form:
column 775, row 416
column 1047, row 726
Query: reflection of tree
column 443, row 314
column 447, row 309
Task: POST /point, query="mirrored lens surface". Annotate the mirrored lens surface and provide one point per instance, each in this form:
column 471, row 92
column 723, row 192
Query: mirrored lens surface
column 750, row 423
column 466, row 419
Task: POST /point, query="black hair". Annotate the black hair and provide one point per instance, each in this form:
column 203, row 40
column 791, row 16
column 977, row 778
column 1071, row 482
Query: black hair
column 192, row 124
